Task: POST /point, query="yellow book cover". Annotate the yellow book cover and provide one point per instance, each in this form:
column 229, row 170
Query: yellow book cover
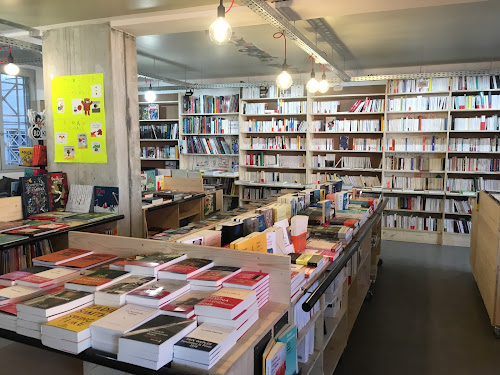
column 259, row 243
column 470, row 102
column 81, row 319
column 382, row 123
column 279, row 212
column 430, row 84
column 26, row 156
column 303, row 259
column 246, row 243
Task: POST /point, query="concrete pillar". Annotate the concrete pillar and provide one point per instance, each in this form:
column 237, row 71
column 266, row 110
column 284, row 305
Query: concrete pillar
column 92, row 49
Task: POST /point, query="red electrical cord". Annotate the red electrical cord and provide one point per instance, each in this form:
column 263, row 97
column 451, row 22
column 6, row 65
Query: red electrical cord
column 312, row 61
column 280, row 34
column 10, row 51
column 232, row 3
column 322, row 66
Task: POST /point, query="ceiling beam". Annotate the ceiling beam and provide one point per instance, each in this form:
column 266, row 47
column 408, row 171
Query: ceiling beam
column 20, row 43
column 281, row 23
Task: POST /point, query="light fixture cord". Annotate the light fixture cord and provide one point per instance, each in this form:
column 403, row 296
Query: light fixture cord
column 10, row 51
column 279, row 35
column 232, row 3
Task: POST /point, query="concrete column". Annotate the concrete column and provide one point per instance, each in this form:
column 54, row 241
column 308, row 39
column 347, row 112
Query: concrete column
column 92, row 49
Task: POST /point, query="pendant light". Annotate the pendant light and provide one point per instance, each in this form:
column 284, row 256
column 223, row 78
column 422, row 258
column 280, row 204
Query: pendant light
column 10, row 68
column 284, row 80
column 312, row 84
column 220, row 31
column 150, row 96
column 323, row 86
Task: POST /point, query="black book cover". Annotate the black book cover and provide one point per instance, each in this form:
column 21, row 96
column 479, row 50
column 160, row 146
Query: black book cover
column 294, row 256
column 197, row 344
column 231, row 233
column 128, row 284
column 35, row 195
column 55, row 299
column 159, row 330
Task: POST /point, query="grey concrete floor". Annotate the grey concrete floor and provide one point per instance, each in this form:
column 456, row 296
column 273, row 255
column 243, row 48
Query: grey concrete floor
column 426, row 317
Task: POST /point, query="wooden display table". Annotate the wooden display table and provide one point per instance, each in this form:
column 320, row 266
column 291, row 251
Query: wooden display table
column 485, row 254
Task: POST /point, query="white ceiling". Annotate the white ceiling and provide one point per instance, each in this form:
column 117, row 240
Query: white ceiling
column 376, row 33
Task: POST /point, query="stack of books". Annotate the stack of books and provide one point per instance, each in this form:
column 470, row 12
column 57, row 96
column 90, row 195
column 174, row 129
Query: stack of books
column 158, row 293
column 150, row 265
column 185, row 269
column 233, row 307
column 106, row 331
column 151, row 345
column 49, row 278
column 8, row 317
column 115, row 295
column 32, row 313
column 298, row 280
column 204, row 346
column 59, row 257
column 250, row 280
column 96, row 280
column 212, row 278
column 71, row 333
column 9, row 279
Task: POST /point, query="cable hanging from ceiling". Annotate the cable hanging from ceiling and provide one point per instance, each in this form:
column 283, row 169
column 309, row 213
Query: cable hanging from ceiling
column 10, row 68
column 220, row 31
column 284, row 80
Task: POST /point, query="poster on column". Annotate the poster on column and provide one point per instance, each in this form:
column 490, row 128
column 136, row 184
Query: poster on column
column 79, row 119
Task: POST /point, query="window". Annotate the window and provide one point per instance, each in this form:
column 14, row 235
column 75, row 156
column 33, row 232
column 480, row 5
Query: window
column 13, row 119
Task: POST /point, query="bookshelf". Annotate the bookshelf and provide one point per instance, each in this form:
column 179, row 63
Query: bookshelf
column 159, row 132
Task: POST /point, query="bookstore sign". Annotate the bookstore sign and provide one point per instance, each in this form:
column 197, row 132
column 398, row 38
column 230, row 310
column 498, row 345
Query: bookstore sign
column 79, row 119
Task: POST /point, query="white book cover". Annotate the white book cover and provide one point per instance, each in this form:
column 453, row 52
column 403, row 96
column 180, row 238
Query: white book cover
column 48, row 277
column 17, row 293
column 79, row 198
column 123, row 320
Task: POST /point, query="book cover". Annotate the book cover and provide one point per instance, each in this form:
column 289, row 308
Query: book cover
column 35, row 196
column 127, row 284
column 160, row 329
column 89, row 216
column 250, row 279
column 154, row 260
column 16, row 275
column 55, row 299
column 48, row 276
column 106, row 199
column 79, row 198
column 58, row 190
column 80, row 320
column 184, row 305
column 36, row 230
column 9, row 225
column 226, row 298
column 6, row 238
column 215, row 273
column 187, row 266
column 51, row 216
column 62, row 256
column 125, row 318
column 206, row 337
column 26, row 154
column 150, row 180
column 90, row 260
column 159, row 289
column 100, row 277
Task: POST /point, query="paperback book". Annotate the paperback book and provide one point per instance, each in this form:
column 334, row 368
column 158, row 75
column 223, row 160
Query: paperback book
column 158, row 293
column 185, row 269
column 96, row 280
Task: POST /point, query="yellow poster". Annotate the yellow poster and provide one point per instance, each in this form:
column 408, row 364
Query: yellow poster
column 79, row 119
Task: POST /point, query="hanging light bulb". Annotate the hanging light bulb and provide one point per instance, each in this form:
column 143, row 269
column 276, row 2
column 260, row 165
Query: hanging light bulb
column 11, row 69
column 323, row 84
column 284, row 80
column 220, row 31
column 150, row 96
column 312, row 84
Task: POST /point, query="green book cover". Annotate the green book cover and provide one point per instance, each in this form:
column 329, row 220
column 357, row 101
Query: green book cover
column 6, row 238
column 288, row 336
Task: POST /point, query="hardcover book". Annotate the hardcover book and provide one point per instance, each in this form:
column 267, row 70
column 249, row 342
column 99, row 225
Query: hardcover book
column 35, row 195
column 89, row 216
column 6, row 238
column 37, row 230
column 58, row 190
column 80, row 198
column 10, row 225
column 90, row 261
column 106, row 199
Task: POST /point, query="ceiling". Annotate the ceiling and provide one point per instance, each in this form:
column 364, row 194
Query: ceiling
column 370, row 34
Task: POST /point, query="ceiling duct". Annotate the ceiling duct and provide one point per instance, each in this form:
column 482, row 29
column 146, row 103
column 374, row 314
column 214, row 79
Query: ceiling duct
column 278, row 20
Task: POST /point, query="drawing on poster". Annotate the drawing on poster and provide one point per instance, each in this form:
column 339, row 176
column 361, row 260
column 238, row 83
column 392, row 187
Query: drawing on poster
column 61, row 138
column 76, row 104
column 96, row 146
column 82, row 140
column 95, row 129
column 69, row 152
column 60, row 105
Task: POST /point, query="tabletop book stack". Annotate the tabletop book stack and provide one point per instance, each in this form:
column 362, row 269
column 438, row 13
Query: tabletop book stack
column 250, row 280
column 158, row 293
column 116, row 294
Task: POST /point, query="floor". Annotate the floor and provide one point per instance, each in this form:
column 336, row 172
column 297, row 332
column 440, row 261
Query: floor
column 426, row 317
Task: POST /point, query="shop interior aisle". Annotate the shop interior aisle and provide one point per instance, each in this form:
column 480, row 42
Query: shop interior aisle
column 426, row 318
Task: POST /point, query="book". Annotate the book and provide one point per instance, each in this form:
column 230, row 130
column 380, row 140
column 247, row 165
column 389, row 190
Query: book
column 205, row 345
column 106, row 199
column 26, row 154
column 7, row 238
column 59, row 257
column 236, row 322
column 10, row 278
column 115, row 295
column 247, row 280
column 183, row 306
column 213, row 277
column 55, row 303
column 230, row 231
column 35, row 195
column 276, row 360
column 47, row 278
column 38, row 230
column 79, row 198
column 51, row 216
column 39, row 155
column 106, row 332
column 151, row 264
column 226, row 303
column 184, row 269
column 90, row 261
column 151, row 344
column 158, row 293
column 58, row 191
column 10, row 225
column 288, row 336
column 75, row 326
column 17, row 293
column 96, row 280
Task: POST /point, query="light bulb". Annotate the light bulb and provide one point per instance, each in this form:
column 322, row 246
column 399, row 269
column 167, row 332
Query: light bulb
column 11, row 69
column 220, row 31
column 284, row 80
column 323, row 84
column 312, row 85
column 150, row 96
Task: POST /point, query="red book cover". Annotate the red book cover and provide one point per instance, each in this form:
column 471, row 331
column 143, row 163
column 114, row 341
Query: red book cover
column 187, row 266
column 37, row 279
column 87, row 280
column 299, row 242
column 248, row 278
column 350, row 223
column 215, row 273
column 90, row 260
column 222, row 302
column 9, row 309
column 58, row 191
column 63, row 255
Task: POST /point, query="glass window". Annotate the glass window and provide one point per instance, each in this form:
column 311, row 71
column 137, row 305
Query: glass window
column 14, row 120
